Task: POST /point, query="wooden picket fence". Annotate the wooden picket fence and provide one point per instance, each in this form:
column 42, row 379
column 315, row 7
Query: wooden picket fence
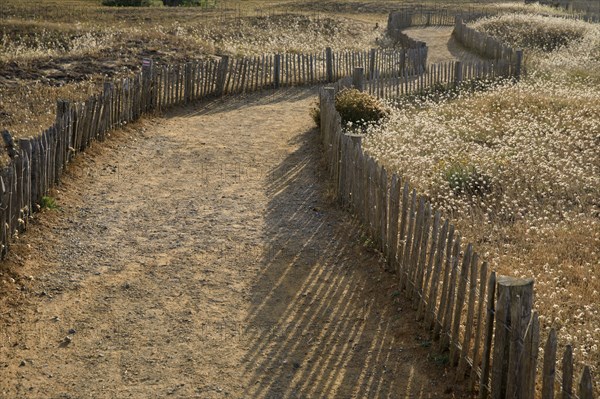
column 483, row 44
column 504, row 58
column 37, row 163
column 442, row 76
column 485, row 322
column 407, row 18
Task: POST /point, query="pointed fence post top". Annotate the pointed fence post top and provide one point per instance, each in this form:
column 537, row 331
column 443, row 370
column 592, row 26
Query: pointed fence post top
column 9, row 144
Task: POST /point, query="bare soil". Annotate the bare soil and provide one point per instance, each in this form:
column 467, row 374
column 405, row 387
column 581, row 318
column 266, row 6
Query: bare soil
column 442, row 45
column 201, row 256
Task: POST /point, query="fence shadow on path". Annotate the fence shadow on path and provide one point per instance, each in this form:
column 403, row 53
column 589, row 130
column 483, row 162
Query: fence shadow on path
column 325, row 318
column 228, row 103
column 460, row 52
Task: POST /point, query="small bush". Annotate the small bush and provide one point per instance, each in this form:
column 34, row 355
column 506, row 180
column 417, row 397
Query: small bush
column 186, row 3
column 127, row 3
column 465, row 179
column 49, row 203
column 358, row 108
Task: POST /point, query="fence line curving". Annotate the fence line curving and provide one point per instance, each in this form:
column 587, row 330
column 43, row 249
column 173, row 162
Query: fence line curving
column 485, row 321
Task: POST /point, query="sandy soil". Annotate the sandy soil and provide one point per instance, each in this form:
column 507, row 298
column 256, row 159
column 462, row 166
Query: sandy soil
column 442, row 45
column 201, row 256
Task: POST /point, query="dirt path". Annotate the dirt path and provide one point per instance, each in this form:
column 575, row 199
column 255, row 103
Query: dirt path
column 199, row 256
column 442, row 45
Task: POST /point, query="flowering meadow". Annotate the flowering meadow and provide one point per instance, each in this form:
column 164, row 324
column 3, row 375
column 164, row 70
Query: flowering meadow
column 517, row 168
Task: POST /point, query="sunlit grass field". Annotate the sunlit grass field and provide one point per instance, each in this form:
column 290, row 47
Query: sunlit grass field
column 518, row 169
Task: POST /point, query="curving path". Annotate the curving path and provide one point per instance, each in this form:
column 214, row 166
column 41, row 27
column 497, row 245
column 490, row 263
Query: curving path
column 442, row 45
column 201, row 256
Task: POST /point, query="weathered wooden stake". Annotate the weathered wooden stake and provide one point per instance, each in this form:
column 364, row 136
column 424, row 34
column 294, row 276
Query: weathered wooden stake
column 9, row 144
column 329, row 64
column 519, row 66
column 277, row 71
column 586, row 388
column 458, row 73
column 372, row 58
column 222, row 75
column 147, row 69
column 358, row 79
column 513, row 312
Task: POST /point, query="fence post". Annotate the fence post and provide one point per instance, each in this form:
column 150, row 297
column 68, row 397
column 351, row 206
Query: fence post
column 567, row 373
column 9, row 144
column 513, row 313
column 329, row 64
column 188, row 82
column 549, row 370
column 104, row 121
column 358, row 78
column 586, row 387
column 372, row 63
column 222, row 75
column 277, row 70
column 519, row 66
column 458, row 22
column 147, row 67
column 328, row 97
column 329, row 93
column 458, row 73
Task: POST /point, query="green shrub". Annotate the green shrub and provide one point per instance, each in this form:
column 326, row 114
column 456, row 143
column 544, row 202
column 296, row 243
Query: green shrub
column 127, row 3
column 49, row 203
column 359, row 108
column 189, row 3
column 465, row 179
column 355, row 108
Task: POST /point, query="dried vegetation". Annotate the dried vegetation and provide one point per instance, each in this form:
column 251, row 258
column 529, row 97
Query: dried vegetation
column 518, row 169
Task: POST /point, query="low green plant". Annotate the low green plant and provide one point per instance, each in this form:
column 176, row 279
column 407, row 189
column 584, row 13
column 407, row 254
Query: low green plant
column 127, row 3
column 49, row 202
column 465, row 179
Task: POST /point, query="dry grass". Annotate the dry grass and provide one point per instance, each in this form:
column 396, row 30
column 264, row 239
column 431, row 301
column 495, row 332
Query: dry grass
column 46, row 54
column 536, row 143
column 77, row 44
column 518, row 169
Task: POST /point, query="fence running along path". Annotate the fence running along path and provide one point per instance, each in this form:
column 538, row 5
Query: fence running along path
column 503, row 62
column 37, row 163
column 443, row 76
column 486, row 322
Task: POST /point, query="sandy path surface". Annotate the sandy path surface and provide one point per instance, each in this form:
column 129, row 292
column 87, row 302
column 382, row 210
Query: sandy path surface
column 442, row 45
column 200, row 256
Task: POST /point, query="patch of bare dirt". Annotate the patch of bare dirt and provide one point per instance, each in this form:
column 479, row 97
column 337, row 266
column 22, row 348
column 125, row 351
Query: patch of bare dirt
column 442, row 45
column 200, row 256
